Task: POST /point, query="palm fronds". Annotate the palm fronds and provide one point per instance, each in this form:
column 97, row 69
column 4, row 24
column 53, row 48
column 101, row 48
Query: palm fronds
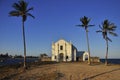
column 21, row 9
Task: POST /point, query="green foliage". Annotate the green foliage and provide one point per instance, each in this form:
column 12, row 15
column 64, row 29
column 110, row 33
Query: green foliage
column 21, row 9
column 85, row 22
column 107, row 27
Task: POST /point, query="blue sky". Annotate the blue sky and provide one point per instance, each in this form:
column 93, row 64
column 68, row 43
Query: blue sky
column 56, row 19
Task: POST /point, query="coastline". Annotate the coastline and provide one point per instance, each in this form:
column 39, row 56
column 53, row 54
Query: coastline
column 13, row 61
column 111, row 60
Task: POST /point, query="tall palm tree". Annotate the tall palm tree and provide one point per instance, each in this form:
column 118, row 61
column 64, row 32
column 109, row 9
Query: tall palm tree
column 85, row 24
column 21, row 9
column 107, row 27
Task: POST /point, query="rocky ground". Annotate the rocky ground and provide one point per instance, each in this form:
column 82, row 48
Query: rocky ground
column 63, row 71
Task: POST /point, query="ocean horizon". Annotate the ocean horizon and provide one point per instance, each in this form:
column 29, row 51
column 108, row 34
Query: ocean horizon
column 111, row 60
column 12, row 61
column 20, row 60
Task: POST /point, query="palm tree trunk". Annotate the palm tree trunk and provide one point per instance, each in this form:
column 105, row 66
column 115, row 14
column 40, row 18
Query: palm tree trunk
column 24, row 44
column 106, row 53
column 89, row 62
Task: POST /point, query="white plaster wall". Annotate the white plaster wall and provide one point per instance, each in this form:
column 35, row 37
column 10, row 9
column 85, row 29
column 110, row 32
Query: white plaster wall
column 67, row 50
column 74, row 54
column 85, row 54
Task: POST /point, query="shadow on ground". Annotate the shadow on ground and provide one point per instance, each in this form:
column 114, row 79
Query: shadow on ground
column 91, row 77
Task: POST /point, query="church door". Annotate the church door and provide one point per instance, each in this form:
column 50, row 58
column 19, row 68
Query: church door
column 61, row 57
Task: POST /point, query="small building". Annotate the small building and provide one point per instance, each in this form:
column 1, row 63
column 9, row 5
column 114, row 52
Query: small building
column 66, row 51
column 95, row 59
column 82, row 55
column 45, row 57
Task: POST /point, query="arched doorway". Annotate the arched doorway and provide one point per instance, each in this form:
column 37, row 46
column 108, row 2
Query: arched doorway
column 61, row 57
column 85, row 56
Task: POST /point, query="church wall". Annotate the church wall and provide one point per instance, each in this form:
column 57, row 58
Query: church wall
column 66, row 50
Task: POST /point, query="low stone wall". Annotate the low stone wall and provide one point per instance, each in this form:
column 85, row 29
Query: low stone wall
column 95, row 59
column 46, row 59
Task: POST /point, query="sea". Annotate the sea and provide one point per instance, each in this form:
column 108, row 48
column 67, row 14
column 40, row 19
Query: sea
column 111, row 61
column 11, row 61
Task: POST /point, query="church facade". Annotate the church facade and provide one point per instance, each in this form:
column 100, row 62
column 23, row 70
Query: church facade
column 66, row 51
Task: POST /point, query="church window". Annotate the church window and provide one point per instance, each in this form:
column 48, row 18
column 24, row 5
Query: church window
column 55, row 57
column 66, row 57
column 61, row 47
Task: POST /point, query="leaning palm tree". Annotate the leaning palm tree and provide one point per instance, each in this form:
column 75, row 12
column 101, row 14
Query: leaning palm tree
column 85, row 24
column 21, row 9
column 107, row 27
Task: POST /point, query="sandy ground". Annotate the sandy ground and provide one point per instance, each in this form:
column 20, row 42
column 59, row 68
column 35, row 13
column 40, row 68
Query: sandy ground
column 66, row 71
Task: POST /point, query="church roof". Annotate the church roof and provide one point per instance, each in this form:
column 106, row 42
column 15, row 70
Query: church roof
column 66, row 42
column 80, row 53
column 62, row 40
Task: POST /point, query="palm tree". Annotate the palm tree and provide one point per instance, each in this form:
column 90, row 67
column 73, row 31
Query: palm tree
column 107, row 27
column 21, row 9
column 85, row 24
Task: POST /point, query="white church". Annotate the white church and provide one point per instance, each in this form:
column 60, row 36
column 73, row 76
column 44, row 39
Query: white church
column 66, row 51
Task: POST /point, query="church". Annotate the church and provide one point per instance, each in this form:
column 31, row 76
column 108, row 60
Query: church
column 66, row 51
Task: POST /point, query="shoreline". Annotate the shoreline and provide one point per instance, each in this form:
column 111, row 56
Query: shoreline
column 19, row 61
